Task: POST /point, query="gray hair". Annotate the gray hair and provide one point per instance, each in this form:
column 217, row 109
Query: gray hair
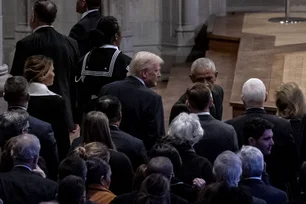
column 227, row 168
column 253, row 91
column 203, row 63
column 143, row 60
column 252, row 161
column 185, row 128
column 26, row 148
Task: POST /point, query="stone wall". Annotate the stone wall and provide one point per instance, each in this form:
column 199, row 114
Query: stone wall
column 264, row 5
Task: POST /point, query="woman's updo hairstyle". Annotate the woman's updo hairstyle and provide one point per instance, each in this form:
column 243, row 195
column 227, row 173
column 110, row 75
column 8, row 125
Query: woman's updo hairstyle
column 105, row 32
column 36, row 68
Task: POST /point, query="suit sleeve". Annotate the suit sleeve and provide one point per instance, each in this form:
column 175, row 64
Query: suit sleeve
column 19, row 60
column 78, row 33
column 219, row 109
column 235, row 141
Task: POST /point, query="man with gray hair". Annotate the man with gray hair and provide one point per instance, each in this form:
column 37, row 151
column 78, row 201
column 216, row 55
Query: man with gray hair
column 142, row 108
column 282, row 163
column 252, row 169
column 21, row 184
column 203, row 70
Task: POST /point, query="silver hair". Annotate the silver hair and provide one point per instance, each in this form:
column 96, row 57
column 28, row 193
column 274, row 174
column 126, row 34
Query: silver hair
column 253, row 91
column 203, row 63
column 185, row 128
column 14, row 121
column 143, row 60
column 227, row 168
column 26, row 148
column 252, row 161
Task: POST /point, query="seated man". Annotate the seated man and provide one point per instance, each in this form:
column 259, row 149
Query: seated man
column 203, row 70
column 282, row 163
column 252, row 168
column 21, row 184
column 218, row 135
column 125, row 143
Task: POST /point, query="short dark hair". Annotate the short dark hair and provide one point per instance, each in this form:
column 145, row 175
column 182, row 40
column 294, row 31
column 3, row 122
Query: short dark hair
column 96, row 168
column 160, row 165
column 105, row 31
column 72, row 166
column 45, row 11
column 199, row 96
column 93, row 4
column 167, row 150
column 71, row 190
column 110, row 106
column 16, row 89
column 255, row 128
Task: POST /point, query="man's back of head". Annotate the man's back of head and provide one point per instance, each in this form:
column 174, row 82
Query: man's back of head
column 111, row 107
column 44, row 11
column 199, row 98
column 16, row 91
column 72, row 165
column 93, row 4
column 71, row 190
column 160, row 165
column 253, row 93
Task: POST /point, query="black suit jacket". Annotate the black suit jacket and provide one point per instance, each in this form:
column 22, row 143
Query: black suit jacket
column 216, row 110
column 48, row 146
column 282, row 163
column 263, row 191
column 130, row 146
column 22, row 186
column 65, row 55
column 80, row 31
column 142, row 109
column 218, row 137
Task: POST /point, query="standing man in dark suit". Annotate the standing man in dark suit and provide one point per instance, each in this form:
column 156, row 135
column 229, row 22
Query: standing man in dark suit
column 22, row 185
column 283, row 161
column 16, row 95
column 63, row 50
column 89, row 20
column 142, row 108
column 252, row 169
column 218, row 136
column 203, row 70
column 125, row 143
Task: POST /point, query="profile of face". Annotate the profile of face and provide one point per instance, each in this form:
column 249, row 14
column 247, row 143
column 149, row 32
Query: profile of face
column 80, row 6
column 204, row 76
column 49, row 77
column 151, row 75
column 264, row 143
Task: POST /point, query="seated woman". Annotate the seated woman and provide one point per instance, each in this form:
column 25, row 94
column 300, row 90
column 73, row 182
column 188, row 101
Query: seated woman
column 103, row 65
column 185, row 131
column 95, row 129
column 290, row 103
column 44, row 104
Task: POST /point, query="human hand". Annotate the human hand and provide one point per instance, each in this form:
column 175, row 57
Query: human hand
column 39, row 171
column 199, row 183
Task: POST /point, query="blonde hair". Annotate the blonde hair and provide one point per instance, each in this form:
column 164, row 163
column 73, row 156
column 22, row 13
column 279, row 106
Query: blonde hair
column 92, row 150
column 143, row 60
column 36, row 67
column 289, row 100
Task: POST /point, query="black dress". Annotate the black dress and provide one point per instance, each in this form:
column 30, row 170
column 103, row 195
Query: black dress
column 49, row 107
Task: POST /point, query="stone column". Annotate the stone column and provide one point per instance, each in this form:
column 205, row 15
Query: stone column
column 23, row 12
column 127, row 35
column 188, row 20
column 218, row 7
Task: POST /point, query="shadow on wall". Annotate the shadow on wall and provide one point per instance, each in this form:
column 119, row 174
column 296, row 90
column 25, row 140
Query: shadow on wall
column 200, row 45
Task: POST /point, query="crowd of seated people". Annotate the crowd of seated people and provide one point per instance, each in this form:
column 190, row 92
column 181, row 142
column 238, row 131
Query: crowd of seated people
column 122, row 152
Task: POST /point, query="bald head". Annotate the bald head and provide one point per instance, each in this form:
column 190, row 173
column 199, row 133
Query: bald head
column 253, row 93
column 44, row 12
column 160, row 165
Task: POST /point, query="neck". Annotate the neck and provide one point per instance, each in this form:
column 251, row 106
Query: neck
column 21, row 104
column 193, row 110
column 254, row 105
column 38, row 24
column 116, row 123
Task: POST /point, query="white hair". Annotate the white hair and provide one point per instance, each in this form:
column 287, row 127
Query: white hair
column 185, row 128
column 253, row 91
column 26, row 148
column 227, row 168
column 143, row 60
column 252, row 161
column 203, row 63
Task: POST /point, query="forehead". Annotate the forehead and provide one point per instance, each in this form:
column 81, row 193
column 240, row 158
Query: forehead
column 203, row 71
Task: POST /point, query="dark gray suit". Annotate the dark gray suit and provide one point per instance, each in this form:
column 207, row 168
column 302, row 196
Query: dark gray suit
column 217, row 138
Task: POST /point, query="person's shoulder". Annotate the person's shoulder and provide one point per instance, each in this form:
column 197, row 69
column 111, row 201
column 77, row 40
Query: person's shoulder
column 235, row 119
column 217, row 88
column 132, row 141
column 125, row 57
column 37, row 122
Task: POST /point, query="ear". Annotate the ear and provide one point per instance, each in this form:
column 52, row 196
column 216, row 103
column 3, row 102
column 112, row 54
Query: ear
column 191, row 78
column 4, row 96
column 241, row 97
column 211, row 102
column 102, row 180
column 216, row 74
column 83, row 3
column 120, row 115
column 252, row 141
column 28, row 97
column 266, row 97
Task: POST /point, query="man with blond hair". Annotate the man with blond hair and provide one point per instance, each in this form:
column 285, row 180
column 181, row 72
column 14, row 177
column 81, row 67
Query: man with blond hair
column 282, row 162
column 203, row 70
column 142, row 108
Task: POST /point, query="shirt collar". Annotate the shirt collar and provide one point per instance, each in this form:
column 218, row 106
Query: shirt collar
column 43, row 26
column 256, row 108
column 110, row 46
column 139, row 79
column 39, row 89
column 203, row 113
column 17, row 107
column 23, row 166
column 253, row 178
column 88, row 12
